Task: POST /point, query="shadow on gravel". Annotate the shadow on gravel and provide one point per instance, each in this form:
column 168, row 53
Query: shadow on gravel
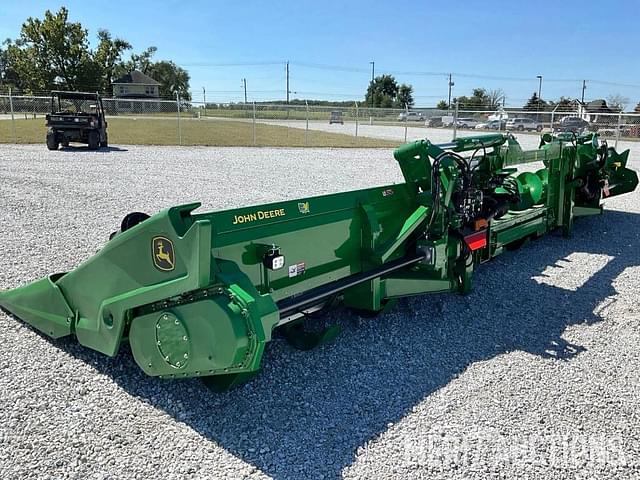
column 308, row 412
column 85, row 148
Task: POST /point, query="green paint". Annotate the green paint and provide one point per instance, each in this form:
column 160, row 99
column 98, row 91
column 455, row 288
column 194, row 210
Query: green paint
column 203, row 303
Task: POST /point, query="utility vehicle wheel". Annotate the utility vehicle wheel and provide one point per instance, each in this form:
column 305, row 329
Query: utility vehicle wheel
column 520, row 128
column 105, row 142
column 52, row 142
column 94, row 140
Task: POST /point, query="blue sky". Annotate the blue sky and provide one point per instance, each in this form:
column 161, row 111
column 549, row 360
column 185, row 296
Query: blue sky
column 490, row 44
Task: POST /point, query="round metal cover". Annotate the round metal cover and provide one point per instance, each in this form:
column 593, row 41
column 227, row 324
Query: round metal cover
column 172, row 340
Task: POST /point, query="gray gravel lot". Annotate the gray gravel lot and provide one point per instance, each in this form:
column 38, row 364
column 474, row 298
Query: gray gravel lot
column 533, row 375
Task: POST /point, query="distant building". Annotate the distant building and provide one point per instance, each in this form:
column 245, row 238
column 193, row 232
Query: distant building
column 590, row 111
column 136, row 85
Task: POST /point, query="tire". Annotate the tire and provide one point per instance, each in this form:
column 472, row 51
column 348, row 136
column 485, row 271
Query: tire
column 94, row 140
column 105, row 142
column 520, row 128
column 539, row 128
column 52, row 141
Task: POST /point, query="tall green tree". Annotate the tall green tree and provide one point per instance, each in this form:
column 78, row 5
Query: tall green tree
column 442, row 105
column 54, row 52
column 405, row 96
column 479, row 100
column 384, row 92
column 563, row 105
column 173, row 79
column 535, row 104
column 109, row 55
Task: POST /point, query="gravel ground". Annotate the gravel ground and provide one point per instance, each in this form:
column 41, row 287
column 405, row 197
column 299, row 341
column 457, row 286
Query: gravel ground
column 533, row 375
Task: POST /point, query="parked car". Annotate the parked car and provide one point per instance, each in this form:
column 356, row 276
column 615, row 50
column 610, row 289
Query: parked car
column 336, row 117
column 411, row 117
column 571, row 124
column 492, row 125
column 467, row 123
column 522, row 124
column 435, row 122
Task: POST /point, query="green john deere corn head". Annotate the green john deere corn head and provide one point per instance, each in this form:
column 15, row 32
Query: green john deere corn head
column 200, row 294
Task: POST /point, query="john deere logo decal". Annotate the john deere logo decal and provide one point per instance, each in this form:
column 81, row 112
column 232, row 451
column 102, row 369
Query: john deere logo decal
column 303, row 207
column 162, row 253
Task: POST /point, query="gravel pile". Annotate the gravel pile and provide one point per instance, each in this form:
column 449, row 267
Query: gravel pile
column 536, row 374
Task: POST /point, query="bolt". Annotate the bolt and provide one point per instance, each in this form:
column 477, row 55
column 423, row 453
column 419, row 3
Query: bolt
column 159, row 342
column 186, row 355
column 149, row 365
column 165, row 317
column 177, row 364
column 185, row 338
column 166, row 358
column 176, row 322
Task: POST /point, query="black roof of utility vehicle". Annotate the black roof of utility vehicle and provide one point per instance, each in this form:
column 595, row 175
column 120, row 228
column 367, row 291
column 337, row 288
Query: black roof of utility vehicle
column 74, row 95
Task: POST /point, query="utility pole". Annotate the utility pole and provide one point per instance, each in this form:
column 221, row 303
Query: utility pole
column 584, row 86
column 244, row 82
column 373, row 76
column 204, row 99
column 287, row 70
column 539, row 77
column 451, row 84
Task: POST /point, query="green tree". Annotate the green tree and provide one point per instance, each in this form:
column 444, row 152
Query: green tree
column 54, row 53
column 109, row 55
column 405, row 96
column 479, row 100
column 563, row 105
column 442, row 105
column 384, row 92
column 173, row 79
column 637, row 109
column 535, row 104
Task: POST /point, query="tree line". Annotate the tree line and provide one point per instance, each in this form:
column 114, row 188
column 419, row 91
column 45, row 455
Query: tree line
column 54, row 53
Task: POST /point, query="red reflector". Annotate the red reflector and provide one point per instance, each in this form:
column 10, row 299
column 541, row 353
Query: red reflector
column 476, row 240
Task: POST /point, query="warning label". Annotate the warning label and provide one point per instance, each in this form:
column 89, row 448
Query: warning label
column 297, row 269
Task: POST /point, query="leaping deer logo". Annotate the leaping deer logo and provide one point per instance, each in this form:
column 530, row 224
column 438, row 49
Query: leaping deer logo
column 163, row 256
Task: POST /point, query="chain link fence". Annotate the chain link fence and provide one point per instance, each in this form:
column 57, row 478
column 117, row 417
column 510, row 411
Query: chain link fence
column 181, row 122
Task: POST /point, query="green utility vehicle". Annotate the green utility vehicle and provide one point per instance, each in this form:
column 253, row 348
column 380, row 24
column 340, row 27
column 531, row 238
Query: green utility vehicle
column 76, row 117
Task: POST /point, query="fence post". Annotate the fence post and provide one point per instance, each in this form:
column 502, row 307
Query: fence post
column 179, row 123
column 618, row 130
column 306, row 129
column 356, row 120
column 406, row 118
column 13, row 120
column 455, row 120
column 254, row 123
